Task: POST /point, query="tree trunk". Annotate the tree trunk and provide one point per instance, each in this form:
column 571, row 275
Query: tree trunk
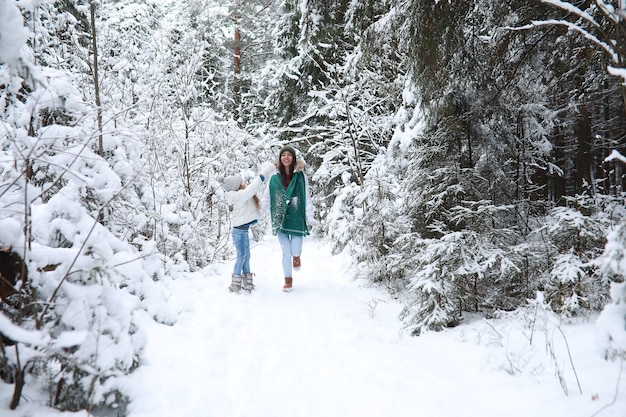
column 583, row 154
column 96, row 83
column 237, row 58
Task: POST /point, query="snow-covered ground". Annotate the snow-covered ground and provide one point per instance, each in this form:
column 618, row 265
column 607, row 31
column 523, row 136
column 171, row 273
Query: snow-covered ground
column 335, row 347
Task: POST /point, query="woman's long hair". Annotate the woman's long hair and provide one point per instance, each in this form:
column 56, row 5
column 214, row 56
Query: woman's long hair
column 285, row 177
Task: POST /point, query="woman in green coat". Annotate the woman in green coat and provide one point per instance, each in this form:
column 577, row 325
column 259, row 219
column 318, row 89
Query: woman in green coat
column 291, row 209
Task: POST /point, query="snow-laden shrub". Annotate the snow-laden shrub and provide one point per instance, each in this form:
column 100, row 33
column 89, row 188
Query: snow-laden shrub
column 431, row 303
column 72, row 326
column 90, row 292
column 461, row 271
column 378, row 223
column 577, row 233
column 612, row 267
column 341, row 216
column 84, row 291
column 568, row 287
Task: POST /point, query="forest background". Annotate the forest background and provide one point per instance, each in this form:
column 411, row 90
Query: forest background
column 467, row 154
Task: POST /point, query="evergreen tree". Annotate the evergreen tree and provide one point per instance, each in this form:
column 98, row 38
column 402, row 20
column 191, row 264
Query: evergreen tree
column 84, row 285
column 611, row 266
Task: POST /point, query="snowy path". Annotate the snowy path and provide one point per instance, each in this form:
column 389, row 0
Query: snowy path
column 330, row 348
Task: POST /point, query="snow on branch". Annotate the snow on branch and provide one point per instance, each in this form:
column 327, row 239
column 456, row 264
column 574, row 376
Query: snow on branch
column 568, row 7
column 13, row 34
column 619, row 72
column 615, row 155
column 572, row 26
column 18, row 334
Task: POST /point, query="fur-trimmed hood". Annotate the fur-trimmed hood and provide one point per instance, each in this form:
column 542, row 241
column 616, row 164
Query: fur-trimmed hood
column 300, row 164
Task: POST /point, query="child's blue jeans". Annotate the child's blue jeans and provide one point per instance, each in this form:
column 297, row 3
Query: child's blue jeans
column 241, row 240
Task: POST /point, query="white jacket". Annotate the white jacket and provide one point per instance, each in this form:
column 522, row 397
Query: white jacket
column 244, row 210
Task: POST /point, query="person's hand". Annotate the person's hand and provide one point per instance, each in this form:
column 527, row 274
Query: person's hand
column 267, row 169
column 313, row 222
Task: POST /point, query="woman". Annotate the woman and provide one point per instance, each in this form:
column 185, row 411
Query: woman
column 291, row 209
column 245, row 212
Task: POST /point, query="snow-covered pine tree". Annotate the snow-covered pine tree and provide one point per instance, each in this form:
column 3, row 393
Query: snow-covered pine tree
column 76, row 310
column 345, row 122
column 462, row 270
column 577, row 232
column 612, row 270
column 378, row 223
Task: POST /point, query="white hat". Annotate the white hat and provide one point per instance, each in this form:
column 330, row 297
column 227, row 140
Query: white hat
column 231, row 183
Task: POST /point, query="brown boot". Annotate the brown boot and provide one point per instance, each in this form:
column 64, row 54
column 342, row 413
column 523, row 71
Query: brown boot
column 295, row 261
column 288, row 284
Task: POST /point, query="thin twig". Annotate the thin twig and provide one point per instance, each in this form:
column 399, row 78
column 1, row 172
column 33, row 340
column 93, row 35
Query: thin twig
column 571, row 361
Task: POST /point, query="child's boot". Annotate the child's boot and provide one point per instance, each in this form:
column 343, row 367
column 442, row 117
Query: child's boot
column 248, row 283
column 235, row 284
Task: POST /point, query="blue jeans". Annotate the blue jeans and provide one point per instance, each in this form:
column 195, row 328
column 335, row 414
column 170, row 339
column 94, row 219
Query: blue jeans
column 242, row 246
column 291, row 246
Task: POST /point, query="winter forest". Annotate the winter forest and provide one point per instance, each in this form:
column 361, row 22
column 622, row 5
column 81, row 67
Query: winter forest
column 467, row 155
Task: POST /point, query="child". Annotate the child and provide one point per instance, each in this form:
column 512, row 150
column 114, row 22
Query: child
column 245, row 212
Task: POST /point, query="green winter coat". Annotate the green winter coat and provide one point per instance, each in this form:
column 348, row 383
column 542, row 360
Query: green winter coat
column 288, row 206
